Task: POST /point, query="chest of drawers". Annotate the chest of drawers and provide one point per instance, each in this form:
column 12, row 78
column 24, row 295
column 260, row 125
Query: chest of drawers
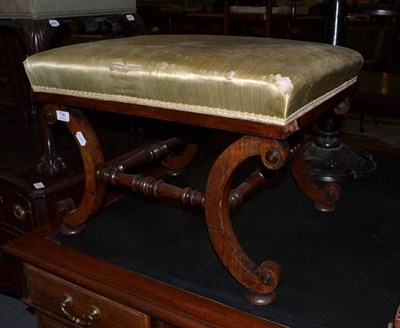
column 24, row 207
column 72, row 304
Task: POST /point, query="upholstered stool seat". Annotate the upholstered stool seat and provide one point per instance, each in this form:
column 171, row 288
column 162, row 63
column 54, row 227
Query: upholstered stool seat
column 265, row 91
column 41, row 9
column 272, row 81
column 35, row 24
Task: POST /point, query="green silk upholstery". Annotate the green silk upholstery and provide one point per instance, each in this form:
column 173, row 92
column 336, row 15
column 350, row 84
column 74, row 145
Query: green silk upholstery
column 258, row 79
column 35, row 9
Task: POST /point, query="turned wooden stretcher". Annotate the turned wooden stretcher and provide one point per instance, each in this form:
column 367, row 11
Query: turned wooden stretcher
column 265, row 90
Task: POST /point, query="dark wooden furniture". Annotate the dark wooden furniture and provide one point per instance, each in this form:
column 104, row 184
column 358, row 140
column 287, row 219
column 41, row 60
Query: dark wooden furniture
column 70, row 289
column 377, row 88
column 14, row 85
column 265, row 17
column 262, row 14
column 27, row 201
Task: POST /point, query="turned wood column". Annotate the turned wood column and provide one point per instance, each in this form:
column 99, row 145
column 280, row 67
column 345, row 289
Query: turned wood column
column 328, row 159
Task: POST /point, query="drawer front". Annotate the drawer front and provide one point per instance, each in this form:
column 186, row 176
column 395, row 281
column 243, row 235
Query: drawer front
column 45, row 321
column 49, row 292
column 15, row 210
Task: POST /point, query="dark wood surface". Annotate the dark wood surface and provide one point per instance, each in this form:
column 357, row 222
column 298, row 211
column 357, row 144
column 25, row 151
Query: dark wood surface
column 349, row 254
column 160, row 301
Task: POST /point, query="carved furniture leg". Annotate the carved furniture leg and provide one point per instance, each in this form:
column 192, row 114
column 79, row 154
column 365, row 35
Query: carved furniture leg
column 260, row 281
column 92, row 156
column 50, row 164
column 36, row 35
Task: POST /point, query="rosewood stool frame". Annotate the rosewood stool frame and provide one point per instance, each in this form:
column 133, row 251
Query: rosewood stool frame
column 276, row 145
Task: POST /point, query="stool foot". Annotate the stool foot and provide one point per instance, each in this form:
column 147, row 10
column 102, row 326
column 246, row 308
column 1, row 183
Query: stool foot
column 324, row 208
column 259, row 299
column 331, row 193
column 71, row 231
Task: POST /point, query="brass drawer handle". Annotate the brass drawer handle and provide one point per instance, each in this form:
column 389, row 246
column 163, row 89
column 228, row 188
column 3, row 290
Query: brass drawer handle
column 83, row 321
column 19, row 212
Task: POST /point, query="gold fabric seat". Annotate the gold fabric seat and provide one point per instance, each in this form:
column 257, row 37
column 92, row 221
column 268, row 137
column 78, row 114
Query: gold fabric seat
column 256, row 79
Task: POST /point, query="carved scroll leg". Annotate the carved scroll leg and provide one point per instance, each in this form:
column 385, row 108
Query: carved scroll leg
column 92, row 157
column 324, row 196
column 261, row 281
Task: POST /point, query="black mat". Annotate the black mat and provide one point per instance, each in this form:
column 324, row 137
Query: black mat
column 340, row 269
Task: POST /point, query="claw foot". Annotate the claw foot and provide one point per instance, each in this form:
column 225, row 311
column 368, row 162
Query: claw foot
column 51, row 166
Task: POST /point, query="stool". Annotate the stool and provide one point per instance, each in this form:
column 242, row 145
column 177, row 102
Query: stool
column 266, row 91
